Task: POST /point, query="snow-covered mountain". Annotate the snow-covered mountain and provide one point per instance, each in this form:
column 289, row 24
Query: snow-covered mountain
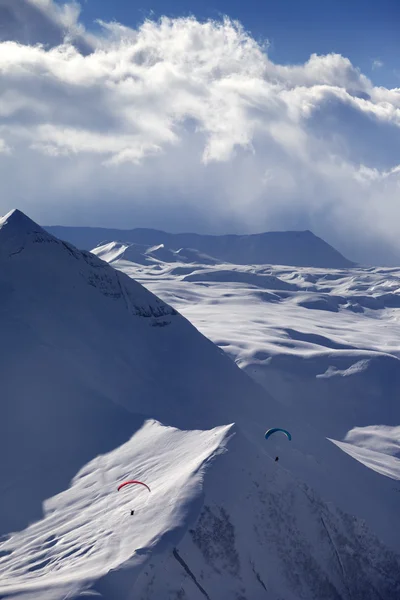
column 300, row 248
column 325, row 344
column 101, row 382
column 145, row 255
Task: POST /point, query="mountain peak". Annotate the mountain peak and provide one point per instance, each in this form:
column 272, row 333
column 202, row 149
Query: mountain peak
column 17, row 232
column 18, row 222
column 27, row 249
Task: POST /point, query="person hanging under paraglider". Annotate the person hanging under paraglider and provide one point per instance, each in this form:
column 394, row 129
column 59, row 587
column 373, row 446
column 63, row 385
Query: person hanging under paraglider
column 130, row 482
column 274, row 430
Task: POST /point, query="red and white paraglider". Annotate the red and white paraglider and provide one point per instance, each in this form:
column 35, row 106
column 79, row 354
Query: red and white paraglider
column 132, row 482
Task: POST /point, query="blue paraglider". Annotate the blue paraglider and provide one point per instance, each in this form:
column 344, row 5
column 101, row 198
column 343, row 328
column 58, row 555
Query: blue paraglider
column 274, row 430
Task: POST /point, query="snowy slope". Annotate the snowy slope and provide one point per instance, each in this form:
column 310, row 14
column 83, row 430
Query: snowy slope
column 102, row 381
column 145, row 255
column 87, row 530
column 265, row 535
column 75, row 330
column 333, row 364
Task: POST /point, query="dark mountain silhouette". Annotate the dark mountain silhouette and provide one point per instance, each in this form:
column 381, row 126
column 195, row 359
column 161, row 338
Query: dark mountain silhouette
column 297, row 248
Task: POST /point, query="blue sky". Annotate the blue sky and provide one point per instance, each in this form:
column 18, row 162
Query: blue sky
column 362, row 30
column 185, row 124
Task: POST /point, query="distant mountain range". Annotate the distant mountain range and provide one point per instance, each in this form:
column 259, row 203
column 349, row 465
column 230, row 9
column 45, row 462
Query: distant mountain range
column 296, row 248
column 103, row 382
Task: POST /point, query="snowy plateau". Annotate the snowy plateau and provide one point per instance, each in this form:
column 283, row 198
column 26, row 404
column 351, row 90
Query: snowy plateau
column 167, row 364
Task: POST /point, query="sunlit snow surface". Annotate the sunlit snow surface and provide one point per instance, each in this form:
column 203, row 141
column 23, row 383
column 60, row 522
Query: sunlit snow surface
column 101, row 381
column 88, row 529
column 294, row 330
column 377, row 447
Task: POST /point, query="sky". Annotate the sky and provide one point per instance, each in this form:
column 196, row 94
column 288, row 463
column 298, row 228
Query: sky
column 364, row 31
column 221, row 117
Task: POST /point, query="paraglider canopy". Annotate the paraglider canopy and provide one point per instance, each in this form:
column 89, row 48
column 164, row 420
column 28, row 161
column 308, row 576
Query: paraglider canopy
column 274, row 430
column 133, row 481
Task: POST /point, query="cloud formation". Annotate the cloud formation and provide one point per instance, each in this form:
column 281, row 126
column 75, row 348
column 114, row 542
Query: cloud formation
column 377, row 64
column 188, row 125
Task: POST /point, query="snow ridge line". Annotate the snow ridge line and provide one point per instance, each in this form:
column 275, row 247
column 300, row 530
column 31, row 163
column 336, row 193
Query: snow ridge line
column 124, row 294
column 258, row 577
column 189, row 572
column 337, row 556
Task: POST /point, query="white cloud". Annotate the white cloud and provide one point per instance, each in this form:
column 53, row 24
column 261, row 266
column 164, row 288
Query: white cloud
column 182, row 124
column 4, row 149
column 377, row 64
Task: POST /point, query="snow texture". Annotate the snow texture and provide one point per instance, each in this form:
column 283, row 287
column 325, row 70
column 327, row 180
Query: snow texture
column 102, row 381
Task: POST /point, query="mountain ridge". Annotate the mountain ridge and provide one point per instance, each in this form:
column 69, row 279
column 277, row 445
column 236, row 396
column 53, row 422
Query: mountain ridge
column 297, row 248
column 101, row 381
